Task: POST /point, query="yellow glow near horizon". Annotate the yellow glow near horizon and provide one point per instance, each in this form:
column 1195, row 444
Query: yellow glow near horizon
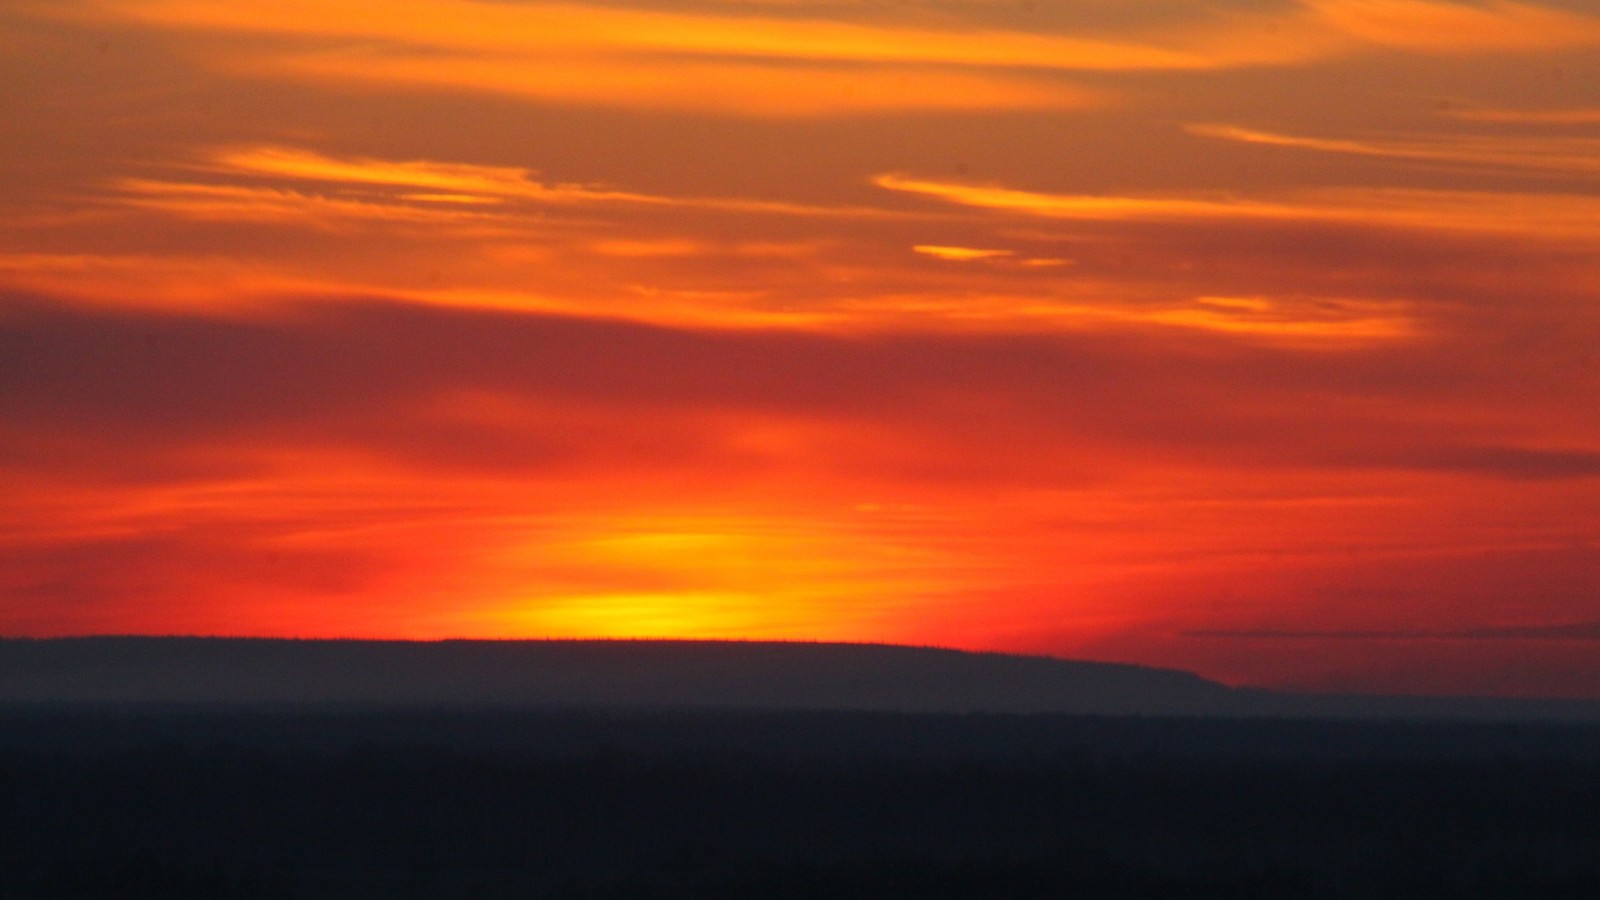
column 678, row 614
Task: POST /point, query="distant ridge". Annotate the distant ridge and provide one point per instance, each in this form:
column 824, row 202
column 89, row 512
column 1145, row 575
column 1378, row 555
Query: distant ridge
column 611, row 673
column 643, row 674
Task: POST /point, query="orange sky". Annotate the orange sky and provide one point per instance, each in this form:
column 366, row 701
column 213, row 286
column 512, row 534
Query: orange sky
column 1254, row 337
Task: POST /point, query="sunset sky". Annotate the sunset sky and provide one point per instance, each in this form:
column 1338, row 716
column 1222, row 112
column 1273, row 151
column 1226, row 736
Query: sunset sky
column 1259, row 338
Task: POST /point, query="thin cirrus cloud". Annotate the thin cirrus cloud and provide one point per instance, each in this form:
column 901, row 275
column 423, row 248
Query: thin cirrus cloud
column 1543, row 215
column 765, row 66
column 1503, row 116
column 295, row 183
column 1320, row 323
column 490, row 28
column 482, row 183
column 765, row 90
column 1556, row 155
column 233, row 202
column 1304, row 29
column 477, row 202
column 1580, row 631
column 451, row 183
column 639, row 59
column 499, row 219
column 1457, row 28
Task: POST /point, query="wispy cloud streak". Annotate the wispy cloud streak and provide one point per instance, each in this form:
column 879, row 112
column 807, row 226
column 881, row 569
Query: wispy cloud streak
column 1550, row 215
column 1454, row 28
column 409, row 191
column 1581, row 631
column 757, row 64
column 1560, row 155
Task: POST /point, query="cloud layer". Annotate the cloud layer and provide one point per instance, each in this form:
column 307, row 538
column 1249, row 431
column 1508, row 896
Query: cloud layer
column 1256, row 338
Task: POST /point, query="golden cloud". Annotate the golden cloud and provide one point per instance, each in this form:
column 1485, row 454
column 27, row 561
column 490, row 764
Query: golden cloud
column 1571, row 155
column 1541, row 215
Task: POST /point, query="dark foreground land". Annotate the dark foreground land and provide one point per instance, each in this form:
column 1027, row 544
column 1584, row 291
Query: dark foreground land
column 141, row 802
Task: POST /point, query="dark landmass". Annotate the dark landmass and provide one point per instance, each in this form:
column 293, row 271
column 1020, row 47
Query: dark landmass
column 170, row 769
column 123, row 803
column 665, row 675
column 611, row 674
